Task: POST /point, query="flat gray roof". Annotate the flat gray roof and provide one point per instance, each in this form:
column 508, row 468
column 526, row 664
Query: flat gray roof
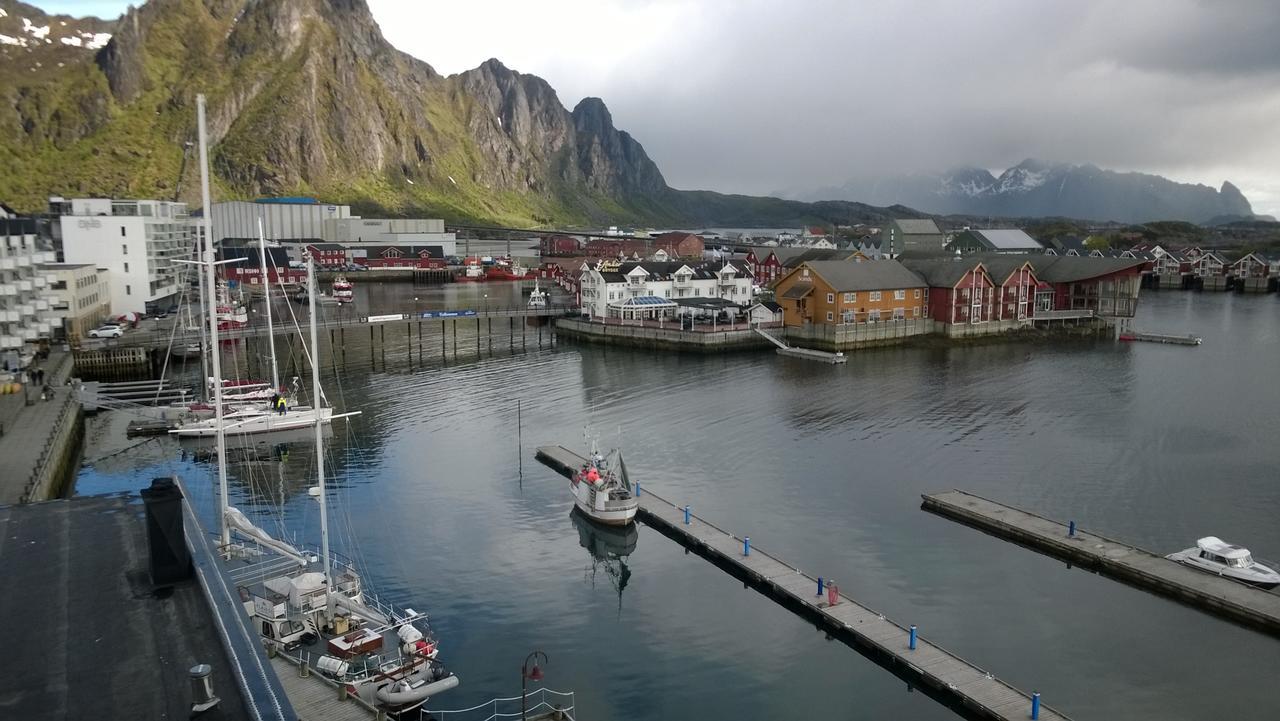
column 88, row 637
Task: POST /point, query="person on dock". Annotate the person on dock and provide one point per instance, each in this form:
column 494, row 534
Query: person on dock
column 275, row 399
column 280, row 406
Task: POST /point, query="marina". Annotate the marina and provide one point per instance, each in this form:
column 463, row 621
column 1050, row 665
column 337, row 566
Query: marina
column 972, row 691
column 1144, row 569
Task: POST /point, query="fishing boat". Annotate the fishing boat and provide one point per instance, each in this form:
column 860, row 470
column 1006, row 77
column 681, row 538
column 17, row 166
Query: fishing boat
column 343, row 290
column 1213, row 555
column 602, row 491
column 231, row 313
column 309, row 606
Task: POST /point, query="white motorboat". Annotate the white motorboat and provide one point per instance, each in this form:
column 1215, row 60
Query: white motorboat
column 257, row 419
column 602, row 491
column 343, row 290
column 1213, row 555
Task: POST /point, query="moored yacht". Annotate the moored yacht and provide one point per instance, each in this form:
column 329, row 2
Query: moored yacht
column 1213, row 555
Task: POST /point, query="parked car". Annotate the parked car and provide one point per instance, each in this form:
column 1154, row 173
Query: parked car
column 106, row 331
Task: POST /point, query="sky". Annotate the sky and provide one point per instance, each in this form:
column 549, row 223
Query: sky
column 753, row 96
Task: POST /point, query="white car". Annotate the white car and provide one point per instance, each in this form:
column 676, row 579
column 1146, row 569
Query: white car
column 106, row 331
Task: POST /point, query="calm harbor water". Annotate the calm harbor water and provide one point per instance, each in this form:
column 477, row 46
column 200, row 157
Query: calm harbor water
column 439, row 496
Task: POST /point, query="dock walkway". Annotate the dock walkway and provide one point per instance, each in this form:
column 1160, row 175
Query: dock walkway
column 973, row 691
column 1138, row 567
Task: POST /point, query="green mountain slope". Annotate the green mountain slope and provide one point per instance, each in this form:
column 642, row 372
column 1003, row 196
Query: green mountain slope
column 306, row 97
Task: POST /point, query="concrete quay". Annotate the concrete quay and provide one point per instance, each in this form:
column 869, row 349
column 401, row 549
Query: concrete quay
column 40, row 439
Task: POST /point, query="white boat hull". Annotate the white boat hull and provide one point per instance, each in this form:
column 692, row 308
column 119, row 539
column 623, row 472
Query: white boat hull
column 601, row 510
column 264, row 423
column 1256, row 575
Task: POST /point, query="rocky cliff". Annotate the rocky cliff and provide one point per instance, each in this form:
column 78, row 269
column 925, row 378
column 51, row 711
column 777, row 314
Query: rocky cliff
column 1037, row 189
column 307, row 97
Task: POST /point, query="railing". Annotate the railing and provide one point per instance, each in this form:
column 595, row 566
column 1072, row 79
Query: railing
column 1062, row 314
column 33, row 481
column 500, row 708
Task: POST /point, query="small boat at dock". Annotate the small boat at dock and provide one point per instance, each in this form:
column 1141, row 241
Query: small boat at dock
column 602, row 491
column 343, row 290
column 1213, row 555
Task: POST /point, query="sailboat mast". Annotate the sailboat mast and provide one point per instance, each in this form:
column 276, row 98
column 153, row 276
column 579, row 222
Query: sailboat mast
column 211, row 309
column 266, row 286
column 204, row 345
column 315, row 402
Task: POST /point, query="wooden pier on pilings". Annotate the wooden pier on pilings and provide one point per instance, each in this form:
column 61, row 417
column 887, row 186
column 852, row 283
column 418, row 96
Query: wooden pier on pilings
column 1227, row 599
column 971, row 691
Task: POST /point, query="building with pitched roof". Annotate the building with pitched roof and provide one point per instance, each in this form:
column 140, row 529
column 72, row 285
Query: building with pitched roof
column 961, row 291
column 911, row 235
column 1002, row 240
column 606, row 288
column 1107, row 287
column 840, row 292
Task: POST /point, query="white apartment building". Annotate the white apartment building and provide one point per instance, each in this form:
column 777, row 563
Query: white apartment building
column 139, row 243
column 82, row 294
column 27, row 311
column 609, row 290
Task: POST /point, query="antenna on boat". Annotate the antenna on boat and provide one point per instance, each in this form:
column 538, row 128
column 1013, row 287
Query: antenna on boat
column 315, row 389
column 266, row 287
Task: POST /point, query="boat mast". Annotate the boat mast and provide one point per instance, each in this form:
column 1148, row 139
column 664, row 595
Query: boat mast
column 207, row 221
column 315, row 402
column 204, row 345
column 266, row 286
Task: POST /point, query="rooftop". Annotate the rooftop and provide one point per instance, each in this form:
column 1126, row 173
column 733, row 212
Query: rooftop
column 922, row 226
column 844, row 275
column 96, row 639
column 1007, row 239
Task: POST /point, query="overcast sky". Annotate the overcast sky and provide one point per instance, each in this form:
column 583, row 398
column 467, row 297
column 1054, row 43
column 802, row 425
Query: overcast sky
column 753, row 96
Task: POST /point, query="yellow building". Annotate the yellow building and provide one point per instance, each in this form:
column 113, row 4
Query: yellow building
column 83, row 293
column 841, row 292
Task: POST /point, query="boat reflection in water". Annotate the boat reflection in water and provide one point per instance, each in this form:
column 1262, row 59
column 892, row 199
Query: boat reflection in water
column 609, row 547
column 245, row 448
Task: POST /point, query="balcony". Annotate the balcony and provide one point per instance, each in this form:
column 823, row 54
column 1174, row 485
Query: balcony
column 10, row 316
column 8, row 263
column 683, row 281
column 26, row 284
column 28, row 333
column 46, row 256
column 40, row 281
column 10, row 342
column 27, row 309
column 41, row 303
column 8, row 289
column 43, row 328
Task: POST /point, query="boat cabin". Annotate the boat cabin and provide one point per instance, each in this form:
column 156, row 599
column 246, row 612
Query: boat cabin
column 1215, row 550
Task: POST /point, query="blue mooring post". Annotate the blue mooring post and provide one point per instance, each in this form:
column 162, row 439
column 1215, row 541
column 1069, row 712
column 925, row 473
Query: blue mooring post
column 1071, row 529
column 819, row 585
column 686, row 515
column 637, row 489
column 911, row 644
column 746, row 546
column 1035, row 706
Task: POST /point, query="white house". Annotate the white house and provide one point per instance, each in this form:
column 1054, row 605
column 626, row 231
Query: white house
column 651, row 289
column 1209, row 263
column 139, row 243
column 765, row 312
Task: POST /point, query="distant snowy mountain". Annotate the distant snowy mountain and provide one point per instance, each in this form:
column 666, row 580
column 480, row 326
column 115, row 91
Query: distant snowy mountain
column 1036, row 189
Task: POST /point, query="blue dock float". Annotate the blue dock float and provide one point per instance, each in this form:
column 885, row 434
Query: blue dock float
column 958, row 684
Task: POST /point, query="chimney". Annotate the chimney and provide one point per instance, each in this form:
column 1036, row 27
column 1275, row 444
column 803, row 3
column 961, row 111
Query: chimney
column 170, row 558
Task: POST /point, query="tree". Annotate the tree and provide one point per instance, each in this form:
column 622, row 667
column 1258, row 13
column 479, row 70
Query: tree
column 1097, row 242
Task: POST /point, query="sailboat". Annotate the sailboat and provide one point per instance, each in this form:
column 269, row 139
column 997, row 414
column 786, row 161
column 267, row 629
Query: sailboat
column 312, row 607
column 253, row 405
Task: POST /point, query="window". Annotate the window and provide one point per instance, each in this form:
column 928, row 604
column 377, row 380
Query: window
column 830, row 316
column 126, row 266
column 848, row 297
column 899, row 313
column 873, row 316
column 847, row 316
column 915, row 312
column 899, row 295
column 917, row 292
column 875, row 295
column 122, row 235
column 124, row 249
column 831, row 298
column 128, row 290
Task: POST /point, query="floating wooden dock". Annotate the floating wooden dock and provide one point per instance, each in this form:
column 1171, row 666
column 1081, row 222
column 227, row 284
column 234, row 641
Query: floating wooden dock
column 1221, row 597
column 1161, row 338
column 971, row 691
column 806, row 353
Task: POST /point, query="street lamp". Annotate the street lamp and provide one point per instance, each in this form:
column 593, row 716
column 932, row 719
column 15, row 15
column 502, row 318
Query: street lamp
column 527, row 673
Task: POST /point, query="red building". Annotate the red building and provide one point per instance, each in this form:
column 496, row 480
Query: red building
column 559, row 245
column 328, row 255
column 616, row 247
column 960, row 291
column 765, row 266
column 400, row 256
column 1015, row 282
column 1107, row 286
column 679, row 245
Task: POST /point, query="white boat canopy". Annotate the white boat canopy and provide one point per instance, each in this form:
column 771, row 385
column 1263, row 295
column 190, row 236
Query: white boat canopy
column 1217, row 546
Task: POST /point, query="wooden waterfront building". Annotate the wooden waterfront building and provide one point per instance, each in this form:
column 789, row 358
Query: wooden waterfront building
column 841, row 292
column 961, row 290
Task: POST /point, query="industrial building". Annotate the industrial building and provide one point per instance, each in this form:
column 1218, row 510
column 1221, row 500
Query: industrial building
column 82, row 294
column 283, row 219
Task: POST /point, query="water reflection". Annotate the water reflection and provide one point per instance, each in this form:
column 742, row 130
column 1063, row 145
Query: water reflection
column 609, row 547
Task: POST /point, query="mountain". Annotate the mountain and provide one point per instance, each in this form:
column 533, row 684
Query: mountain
column 307, row 97
column 1036, row 189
